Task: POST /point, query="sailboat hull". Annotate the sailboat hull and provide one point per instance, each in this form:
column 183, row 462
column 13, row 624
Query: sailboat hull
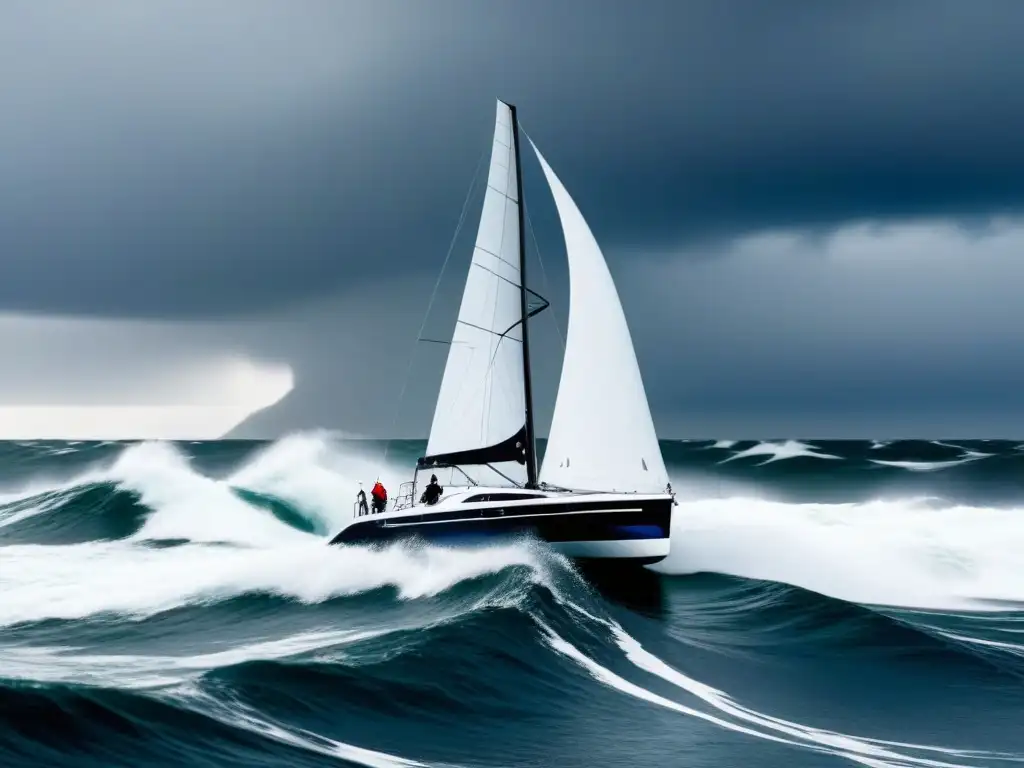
column 622, row 527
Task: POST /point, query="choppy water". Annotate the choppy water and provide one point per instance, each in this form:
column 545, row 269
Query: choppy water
column 824, row 604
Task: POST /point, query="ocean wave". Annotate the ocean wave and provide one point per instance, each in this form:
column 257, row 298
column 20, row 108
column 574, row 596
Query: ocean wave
column 339, row 679
column 926, row 466
column 172, row 608
column 790, row 449
column 903, row 553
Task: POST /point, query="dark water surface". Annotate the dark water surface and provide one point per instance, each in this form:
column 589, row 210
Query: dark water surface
column 825, row 603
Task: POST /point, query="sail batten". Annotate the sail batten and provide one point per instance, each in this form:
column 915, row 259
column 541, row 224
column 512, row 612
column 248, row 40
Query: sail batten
column 602, row 435
column 481, row 406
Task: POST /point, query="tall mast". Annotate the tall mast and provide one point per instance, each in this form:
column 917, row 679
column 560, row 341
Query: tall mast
column 531, row 452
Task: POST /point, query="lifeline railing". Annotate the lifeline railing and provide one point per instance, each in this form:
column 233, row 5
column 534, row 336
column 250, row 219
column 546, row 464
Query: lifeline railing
column 406, row 492
column 404, row 500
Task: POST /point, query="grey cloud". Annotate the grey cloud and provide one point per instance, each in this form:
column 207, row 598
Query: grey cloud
column 869, row 331
column 228, row 158
column 89, row 362
column 912, row 328
column 359, row 368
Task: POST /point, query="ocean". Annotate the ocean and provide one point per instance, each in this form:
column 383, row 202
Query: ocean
column 825, row 603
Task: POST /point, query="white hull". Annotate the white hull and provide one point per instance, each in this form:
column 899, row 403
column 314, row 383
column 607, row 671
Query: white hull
column 651, row 550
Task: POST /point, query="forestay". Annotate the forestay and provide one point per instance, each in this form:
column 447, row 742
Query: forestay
column 602, row 436
column 481, row 402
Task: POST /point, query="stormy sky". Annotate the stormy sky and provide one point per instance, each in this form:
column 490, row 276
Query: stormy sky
column 813, row 209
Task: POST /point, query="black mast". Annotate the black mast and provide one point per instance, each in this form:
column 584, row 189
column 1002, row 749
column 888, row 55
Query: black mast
column 531, row 453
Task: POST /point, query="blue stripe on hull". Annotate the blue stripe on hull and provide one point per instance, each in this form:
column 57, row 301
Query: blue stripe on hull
column 636, row 532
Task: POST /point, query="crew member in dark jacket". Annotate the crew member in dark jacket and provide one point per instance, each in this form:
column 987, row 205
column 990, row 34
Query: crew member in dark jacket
column 432, row 492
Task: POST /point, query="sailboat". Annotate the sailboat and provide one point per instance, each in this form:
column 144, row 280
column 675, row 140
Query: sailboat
column 602, row 491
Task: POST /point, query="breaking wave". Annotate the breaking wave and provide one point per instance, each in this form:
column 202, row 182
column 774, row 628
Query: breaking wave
column 167, row 604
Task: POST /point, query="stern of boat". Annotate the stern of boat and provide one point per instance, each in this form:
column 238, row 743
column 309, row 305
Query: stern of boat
column 640, row 533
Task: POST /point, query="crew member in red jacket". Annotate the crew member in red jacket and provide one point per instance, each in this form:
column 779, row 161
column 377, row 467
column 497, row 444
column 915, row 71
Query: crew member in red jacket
column 380, row 497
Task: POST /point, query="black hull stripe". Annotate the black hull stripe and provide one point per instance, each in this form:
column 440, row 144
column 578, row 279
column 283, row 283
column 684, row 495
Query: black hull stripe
column 650, row 522
column 400, row 523
column 522, row 508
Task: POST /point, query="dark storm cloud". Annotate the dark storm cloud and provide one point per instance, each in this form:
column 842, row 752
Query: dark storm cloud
column 196, row 158
column 909, row 329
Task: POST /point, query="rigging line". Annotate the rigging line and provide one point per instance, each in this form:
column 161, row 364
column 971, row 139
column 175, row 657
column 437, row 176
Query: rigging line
column 433, row 296
column 544, row 274
column 478, row 265
column 488, row 330
column 518, row 287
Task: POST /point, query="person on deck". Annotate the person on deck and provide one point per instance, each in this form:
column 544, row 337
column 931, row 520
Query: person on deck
column 432, row 492
column 361, row 500
column 380, row 497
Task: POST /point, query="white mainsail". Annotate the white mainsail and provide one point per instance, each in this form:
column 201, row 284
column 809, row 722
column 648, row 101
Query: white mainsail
column 602, row 436
column 482, row 401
